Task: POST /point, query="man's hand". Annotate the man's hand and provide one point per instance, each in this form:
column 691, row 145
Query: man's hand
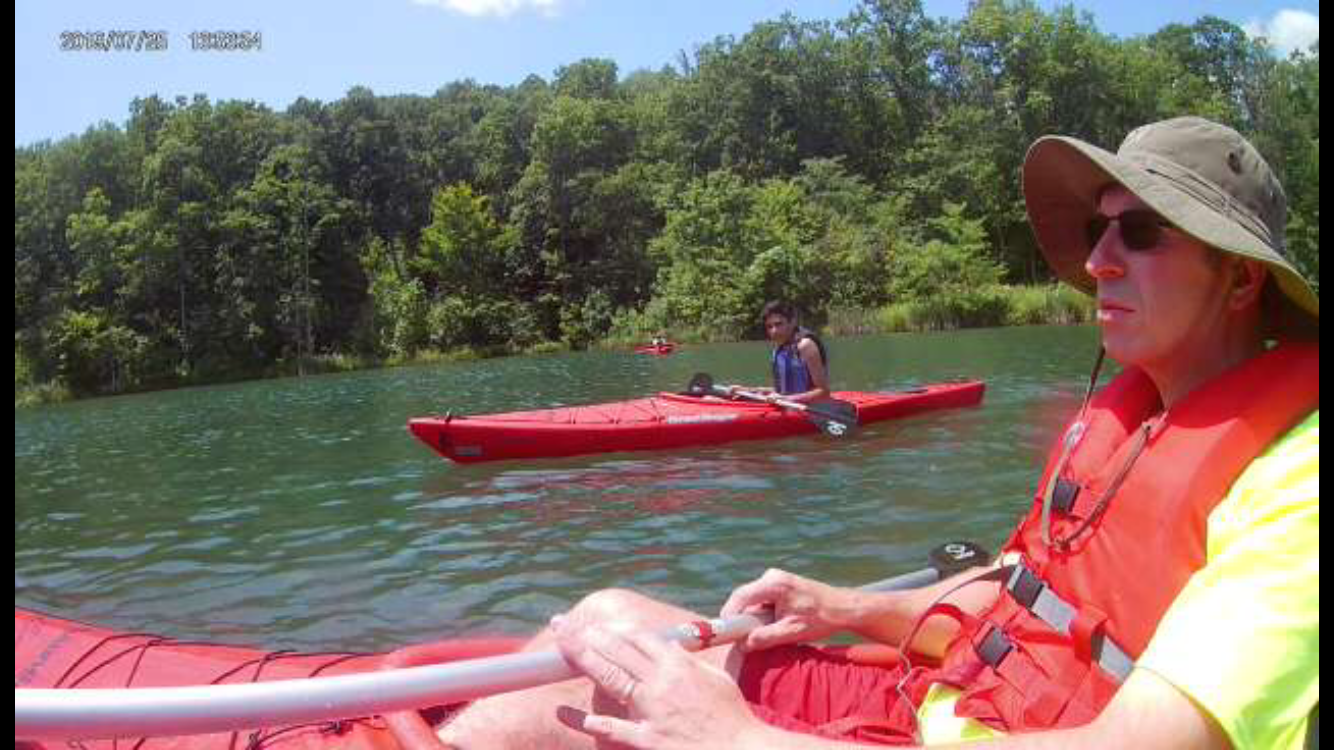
column 673, row 700
column 733, row 390
column 804, row 610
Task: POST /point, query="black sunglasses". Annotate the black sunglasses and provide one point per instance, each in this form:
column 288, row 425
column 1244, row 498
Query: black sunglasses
column 1140, row 229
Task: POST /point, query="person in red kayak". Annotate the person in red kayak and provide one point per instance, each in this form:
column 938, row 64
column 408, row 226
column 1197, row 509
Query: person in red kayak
column 1162, row 591
column 799, row 362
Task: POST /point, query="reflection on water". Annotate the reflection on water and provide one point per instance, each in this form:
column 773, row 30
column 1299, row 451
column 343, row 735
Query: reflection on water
column 301, row 514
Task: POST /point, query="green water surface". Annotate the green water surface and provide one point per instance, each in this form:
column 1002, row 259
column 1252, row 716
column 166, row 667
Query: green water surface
column 301, row 514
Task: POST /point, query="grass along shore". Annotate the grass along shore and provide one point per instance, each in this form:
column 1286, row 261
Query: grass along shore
column 986, row 307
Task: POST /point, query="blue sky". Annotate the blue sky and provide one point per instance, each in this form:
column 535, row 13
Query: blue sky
column 321, row 48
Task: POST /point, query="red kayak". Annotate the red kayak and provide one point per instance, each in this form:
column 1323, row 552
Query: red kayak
column 665, row 421
column 658, row 349
column 50, row 652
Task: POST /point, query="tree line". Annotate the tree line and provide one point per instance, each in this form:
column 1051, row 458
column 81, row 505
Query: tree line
column 844, row 164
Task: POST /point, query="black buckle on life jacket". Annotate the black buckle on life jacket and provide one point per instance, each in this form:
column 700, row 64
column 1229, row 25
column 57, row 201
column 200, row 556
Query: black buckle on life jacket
column 1025, row 587
column 1063, row 496
column 995, row 647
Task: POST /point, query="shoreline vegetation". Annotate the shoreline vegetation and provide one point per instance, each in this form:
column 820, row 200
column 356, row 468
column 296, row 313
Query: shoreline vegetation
column 997, row 306
column 863, row 168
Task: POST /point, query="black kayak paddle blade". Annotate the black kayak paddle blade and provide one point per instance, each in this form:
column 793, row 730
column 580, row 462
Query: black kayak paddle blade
column 836, row 418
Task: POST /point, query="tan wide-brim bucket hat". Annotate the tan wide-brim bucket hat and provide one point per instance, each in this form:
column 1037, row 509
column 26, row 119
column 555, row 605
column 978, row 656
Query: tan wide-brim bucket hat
column 1202, row 177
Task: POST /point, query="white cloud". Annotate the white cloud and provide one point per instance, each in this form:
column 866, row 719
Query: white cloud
column 1288, row 30
column 501, row 8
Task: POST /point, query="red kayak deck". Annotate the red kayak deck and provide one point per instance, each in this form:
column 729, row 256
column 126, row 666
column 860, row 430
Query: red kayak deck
column 50, row 652
column 657, row 350
column 665, row 421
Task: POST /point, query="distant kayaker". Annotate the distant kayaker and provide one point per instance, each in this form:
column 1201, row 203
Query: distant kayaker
column 799, row 363
column 1162, row 590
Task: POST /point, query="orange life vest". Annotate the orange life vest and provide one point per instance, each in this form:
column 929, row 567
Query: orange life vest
column 1054, row 648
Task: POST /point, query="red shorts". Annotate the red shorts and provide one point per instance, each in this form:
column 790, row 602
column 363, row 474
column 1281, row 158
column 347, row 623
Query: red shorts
column 817, row 691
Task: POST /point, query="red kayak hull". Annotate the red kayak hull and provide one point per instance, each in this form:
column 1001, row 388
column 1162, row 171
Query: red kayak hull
column 657, row 350
column 50, row 652
column 660, row 422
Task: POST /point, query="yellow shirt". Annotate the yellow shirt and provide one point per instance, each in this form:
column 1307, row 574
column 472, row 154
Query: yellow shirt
column 1242, row 639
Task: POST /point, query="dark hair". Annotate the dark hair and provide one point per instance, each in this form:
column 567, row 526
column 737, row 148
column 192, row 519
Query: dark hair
column 778, row 307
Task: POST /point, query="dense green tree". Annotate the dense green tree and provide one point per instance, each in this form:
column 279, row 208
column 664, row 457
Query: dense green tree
column 280, row 251
column 1289, row 135
column 463, row 250
column 843, row 164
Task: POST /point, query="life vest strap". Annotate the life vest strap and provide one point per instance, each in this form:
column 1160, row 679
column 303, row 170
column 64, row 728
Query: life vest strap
column 1037, row 597
column 994, row 647
column 1034, row 595
column 1111, row 658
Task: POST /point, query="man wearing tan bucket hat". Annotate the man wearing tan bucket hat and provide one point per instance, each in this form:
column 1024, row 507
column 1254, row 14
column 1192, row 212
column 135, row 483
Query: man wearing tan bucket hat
column 1161, row 592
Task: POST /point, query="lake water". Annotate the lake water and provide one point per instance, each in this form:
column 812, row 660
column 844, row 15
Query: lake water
column 301, row 514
